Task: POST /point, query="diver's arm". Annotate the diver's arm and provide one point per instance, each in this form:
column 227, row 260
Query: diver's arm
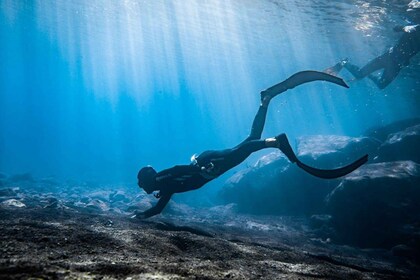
column 157, row 209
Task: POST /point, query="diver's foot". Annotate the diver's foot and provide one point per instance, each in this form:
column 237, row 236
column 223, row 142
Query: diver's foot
column 284, row 146
column 273, row 91
column 265, row 100
column 336, row 68
column 265, row 94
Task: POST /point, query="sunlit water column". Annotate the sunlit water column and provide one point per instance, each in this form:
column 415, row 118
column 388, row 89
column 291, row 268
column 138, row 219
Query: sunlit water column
column 104, row 87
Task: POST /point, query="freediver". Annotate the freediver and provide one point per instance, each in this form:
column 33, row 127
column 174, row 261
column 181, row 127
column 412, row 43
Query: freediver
column 211, row 164
column 392, row 61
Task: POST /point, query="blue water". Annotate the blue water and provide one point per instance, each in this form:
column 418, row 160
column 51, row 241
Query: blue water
column 94, row 90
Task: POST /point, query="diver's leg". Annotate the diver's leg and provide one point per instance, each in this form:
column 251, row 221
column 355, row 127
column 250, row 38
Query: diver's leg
column 243, row 150
column 283, row 144
column 354, row 70
column 259, row 121
column 376, row 64
column 389, row 74
column 217, row 162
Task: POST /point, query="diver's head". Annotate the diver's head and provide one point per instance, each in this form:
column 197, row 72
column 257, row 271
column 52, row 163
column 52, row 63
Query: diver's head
column 147, row 179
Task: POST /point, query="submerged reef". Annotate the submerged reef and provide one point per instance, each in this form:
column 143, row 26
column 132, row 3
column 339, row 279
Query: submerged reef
column 377, row 205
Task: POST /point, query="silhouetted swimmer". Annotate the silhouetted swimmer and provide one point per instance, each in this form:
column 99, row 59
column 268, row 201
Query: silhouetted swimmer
column 211, row 164
column 392, row 61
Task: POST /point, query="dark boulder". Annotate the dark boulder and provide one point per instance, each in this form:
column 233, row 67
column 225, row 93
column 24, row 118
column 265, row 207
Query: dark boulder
column 331, row 151
column 381, row 133
column 401, row 145
column 377, row 205
column 405, row 251
column 7, row 192
column 319, row 221
column 275, row 186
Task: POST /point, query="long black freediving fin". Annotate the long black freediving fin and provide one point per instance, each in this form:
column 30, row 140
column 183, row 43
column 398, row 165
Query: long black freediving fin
column 302, row 78
column 284, row 146
column 333, row 173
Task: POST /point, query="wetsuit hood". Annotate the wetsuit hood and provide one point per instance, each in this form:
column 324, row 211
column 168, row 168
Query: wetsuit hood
column 146, row 178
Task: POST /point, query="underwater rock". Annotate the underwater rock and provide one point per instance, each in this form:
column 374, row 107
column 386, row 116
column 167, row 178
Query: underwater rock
column 100, row 195
column 402, row 145
column 404, row 251
column 381, row 133
column 118, row 207
column 257, row 226
column 97, row 204
column 372, row 206
column 179, row 209
column 275, row 186
column 12, row 203
column 266, row 166
column 223, row 210
column 318, row 221
column 85, row 199
column 33, row 200
column 7, row 192
column 53, row 203
column 331, row 151
column 141, row 202
column 118, row 196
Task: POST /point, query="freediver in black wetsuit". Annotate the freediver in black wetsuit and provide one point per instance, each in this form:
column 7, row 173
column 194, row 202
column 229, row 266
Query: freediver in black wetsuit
column 211, row 164
column 392, row 61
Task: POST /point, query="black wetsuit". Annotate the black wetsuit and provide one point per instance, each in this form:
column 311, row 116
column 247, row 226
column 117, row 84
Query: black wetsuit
column 208, row 166
column 391, row 61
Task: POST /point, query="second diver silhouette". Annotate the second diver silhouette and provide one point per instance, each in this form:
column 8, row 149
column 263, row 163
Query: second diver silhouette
column 391, row 61
column 211, row 164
